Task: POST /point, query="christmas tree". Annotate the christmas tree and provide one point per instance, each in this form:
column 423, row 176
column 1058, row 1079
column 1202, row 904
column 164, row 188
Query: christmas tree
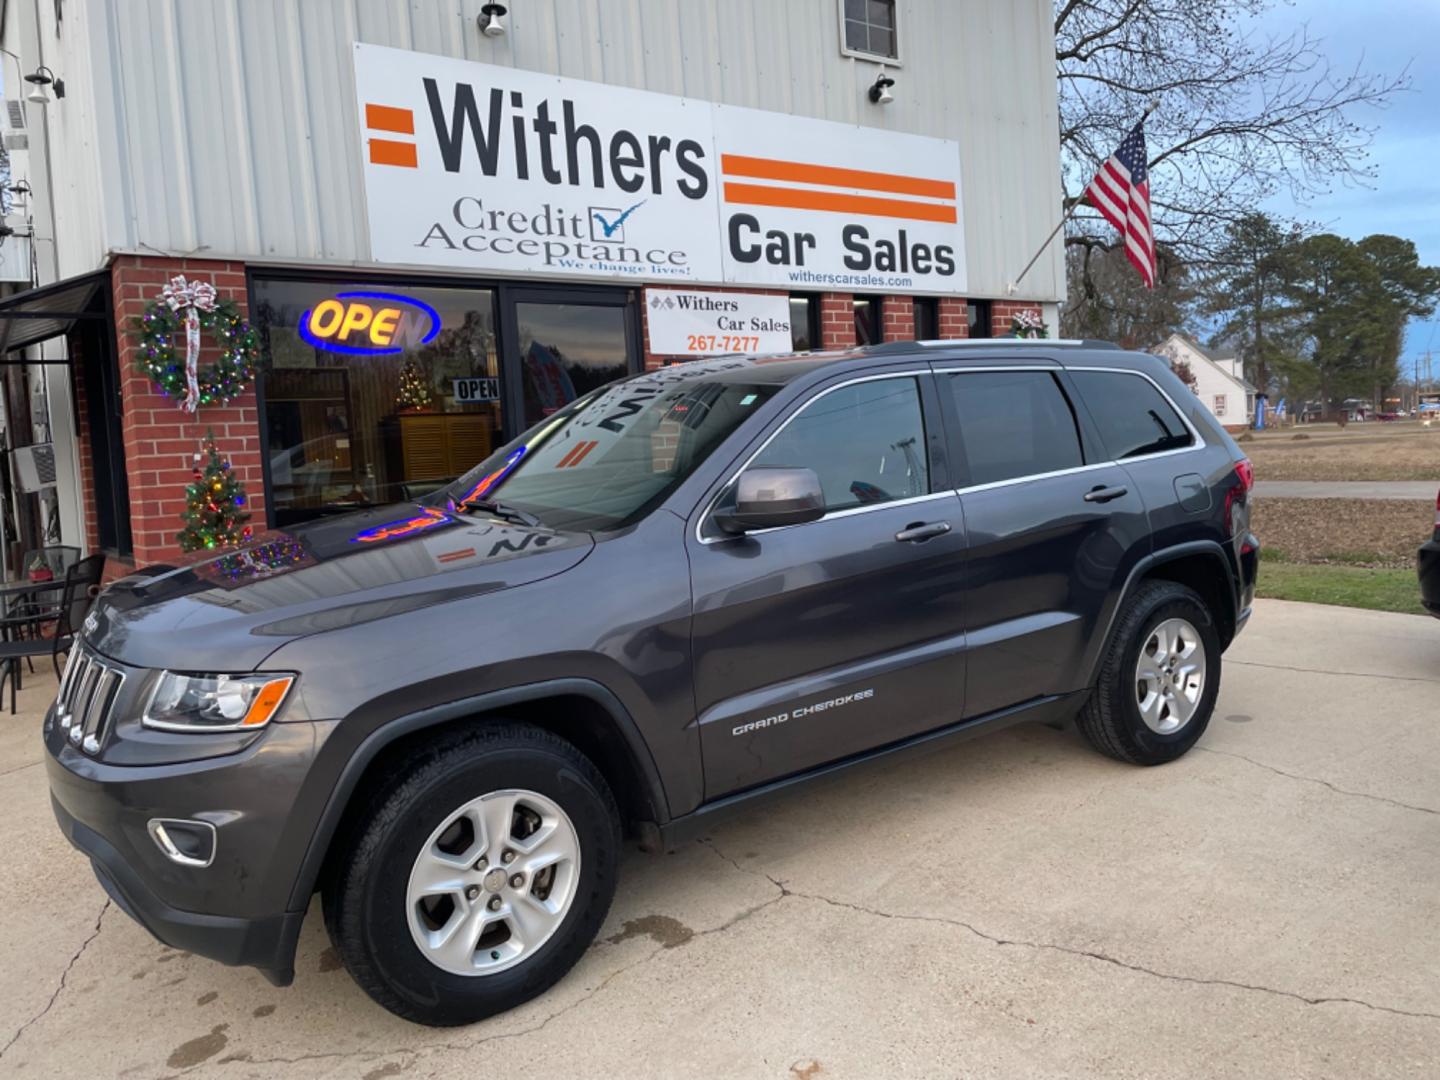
column 215, row 513
column 414, row 389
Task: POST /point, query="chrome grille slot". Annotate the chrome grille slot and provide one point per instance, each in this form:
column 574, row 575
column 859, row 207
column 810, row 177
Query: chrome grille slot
column 73, row 664
column 99, row 710
column 88, row 690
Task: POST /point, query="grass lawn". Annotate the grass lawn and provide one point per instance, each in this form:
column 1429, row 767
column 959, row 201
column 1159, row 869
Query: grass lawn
column 1348, row 586
column 1403, row 450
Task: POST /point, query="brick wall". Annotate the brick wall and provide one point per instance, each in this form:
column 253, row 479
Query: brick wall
column 953, row 317
column 837, row 321
column 897, row 318
column 161, row 438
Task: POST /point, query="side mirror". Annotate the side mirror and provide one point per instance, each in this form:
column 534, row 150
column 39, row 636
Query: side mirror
column 767, row 498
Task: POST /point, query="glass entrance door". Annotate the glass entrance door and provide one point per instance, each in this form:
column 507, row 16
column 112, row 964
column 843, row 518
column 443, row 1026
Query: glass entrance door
column 562, row 343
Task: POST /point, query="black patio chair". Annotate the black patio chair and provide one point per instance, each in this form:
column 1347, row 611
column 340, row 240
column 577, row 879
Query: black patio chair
column 24, row 634
column 58, row 558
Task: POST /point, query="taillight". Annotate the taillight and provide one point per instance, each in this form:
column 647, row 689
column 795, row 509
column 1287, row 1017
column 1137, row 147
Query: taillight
column 1235, row 497
column 1246, row 472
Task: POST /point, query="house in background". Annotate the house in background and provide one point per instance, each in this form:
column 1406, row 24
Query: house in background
column 1219, row 379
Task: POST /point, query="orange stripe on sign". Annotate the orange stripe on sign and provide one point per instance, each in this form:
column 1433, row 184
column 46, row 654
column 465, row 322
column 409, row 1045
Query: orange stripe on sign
column 389, row 118
column 584, row 453
column 389, row 152
column 833, row 202
column 800, row 173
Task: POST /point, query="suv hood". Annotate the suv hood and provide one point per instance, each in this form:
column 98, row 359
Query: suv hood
column 228, row 611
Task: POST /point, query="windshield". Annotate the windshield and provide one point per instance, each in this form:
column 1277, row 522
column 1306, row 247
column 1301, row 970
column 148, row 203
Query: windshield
column 610, row 457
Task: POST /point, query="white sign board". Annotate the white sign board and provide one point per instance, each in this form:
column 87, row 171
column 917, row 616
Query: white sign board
column 690, row 323
column 475, row 388
column 496, row 169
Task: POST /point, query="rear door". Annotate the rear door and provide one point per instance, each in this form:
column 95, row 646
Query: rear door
column 818, row 641
column 1053, row 525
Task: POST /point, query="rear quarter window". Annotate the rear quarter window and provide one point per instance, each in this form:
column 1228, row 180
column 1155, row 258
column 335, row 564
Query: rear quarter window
column 1133, row 416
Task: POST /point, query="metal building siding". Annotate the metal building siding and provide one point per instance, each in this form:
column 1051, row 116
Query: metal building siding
column 240, row 134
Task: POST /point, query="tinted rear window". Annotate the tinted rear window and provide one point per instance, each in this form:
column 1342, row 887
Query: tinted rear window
column 1134, row 417
column 1014, row 424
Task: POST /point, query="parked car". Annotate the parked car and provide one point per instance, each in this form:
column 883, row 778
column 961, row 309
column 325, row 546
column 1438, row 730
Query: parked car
column 679, row 593
column 1428, row 565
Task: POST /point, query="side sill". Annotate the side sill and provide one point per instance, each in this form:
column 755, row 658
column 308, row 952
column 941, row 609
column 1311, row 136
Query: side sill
column 690, row 826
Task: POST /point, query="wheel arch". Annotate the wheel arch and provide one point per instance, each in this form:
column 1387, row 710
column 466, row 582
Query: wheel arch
column 1199, row 565
column 581, row 711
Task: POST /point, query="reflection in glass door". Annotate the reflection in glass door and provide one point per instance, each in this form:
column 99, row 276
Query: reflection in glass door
column 569, row 348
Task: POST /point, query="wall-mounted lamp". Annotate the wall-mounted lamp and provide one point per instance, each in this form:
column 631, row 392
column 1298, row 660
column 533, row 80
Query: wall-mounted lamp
column 42, row 78
column 492, row 20
column 880, row 90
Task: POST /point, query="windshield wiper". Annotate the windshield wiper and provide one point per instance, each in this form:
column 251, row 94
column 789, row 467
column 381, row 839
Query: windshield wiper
column 501, row 510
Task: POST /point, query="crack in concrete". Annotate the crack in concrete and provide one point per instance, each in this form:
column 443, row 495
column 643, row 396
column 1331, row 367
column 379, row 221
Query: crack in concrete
column 1319, row 671
column 20, row 768
column 64, row 976
column 1323, row 783
column 1087, row 954
column 414, row 1053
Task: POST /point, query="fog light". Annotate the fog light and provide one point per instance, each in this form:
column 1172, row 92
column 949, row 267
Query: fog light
column 189, row 843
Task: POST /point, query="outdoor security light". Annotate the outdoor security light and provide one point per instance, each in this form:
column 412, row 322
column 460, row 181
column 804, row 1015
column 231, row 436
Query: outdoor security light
column 880, row 91
column 492, row 20
column 41, row 78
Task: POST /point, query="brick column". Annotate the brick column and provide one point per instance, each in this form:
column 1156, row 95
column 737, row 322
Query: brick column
column 837, row 321
column 953, row 317
column 897, row 319
column 161, row 438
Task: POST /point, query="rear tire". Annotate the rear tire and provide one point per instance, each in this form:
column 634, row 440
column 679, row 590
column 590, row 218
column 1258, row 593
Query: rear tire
column 1158, row 680
column 490, row 801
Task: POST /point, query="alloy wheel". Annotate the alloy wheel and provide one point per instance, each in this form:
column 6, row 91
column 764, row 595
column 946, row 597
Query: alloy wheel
column 493, row 882
column 1170, row 676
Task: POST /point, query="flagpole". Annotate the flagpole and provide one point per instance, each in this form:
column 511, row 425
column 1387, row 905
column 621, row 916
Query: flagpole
column 1014, row 286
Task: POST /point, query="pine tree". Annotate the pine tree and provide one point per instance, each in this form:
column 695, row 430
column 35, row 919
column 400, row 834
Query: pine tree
column 414, row 390
column 215, row 513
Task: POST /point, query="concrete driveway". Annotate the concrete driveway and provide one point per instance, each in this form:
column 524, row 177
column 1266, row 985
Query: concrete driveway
column 1015, row 906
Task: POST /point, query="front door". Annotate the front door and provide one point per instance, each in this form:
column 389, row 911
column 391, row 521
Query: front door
column 564, row 342
column 822, row 640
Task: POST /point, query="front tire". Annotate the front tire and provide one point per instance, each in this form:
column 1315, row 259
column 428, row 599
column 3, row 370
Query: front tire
column 478, row 877
column 1159, row 678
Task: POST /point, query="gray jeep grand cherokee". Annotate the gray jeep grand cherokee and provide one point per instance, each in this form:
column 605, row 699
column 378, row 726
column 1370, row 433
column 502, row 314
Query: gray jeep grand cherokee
column 681, row 592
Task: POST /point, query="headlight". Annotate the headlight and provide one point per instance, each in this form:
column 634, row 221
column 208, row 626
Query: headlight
column 215, row 702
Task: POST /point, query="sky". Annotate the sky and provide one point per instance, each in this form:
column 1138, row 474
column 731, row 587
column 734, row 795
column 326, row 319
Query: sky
column 1385, row 36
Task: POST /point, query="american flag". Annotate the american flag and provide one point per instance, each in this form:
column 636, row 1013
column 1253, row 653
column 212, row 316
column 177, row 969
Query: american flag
column 1121, row 191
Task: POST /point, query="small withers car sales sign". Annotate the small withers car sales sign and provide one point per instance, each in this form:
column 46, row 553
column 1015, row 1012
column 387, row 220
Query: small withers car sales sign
column 688, row 323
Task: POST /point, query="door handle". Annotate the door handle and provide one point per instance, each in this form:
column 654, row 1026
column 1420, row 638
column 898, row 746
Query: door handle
column 1105, row 494
column 920, row 531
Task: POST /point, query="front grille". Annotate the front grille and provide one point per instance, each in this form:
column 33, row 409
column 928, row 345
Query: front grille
column 87, row 694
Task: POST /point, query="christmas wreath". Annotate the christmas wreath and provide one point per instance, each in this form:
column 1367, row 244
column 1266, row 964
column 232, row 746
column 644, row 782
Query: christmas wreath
column 191, row 307
column 1028, row 324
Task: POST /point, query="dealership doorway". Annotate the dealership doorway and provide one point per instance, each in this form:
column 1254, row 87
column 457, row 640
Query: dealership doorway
column 561, row 342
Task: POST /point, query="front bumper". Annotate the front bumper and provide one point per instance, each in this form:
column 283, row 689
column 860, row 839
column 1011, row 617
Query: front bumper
column 1428, row 565
column 267, row 943
column 236, row 909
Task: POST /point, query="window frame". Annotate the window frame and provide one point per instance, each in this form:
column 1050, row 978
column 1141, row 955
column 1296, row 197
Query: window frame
column 1091, row 445
column 1221, row 404
column 862, row 54
column 936, row 459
